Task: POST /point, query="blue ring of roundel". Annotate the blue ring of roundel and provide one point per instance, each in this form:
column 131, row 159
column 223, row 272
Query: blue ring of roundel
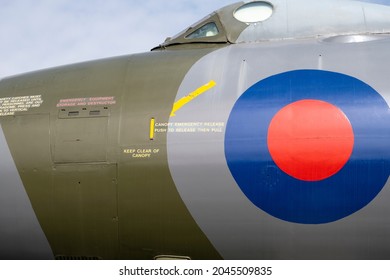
column 290, row 199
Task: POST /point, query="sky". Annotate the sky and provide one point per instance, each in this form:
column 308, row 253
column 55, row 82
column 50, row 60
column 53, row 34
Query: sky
column 38, row 34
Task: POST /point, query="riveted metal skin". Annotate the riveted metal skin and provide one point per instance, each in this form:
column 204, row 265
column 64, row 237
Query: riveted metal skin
column 168, row 154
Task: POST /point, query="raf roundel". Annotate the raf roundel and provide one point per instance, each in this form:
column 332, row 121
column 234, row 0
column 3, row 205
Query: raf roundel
column 309, row 146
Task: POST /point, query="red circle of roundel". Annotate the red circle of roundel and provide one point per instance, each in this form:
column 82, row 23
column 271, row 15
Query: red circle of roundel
column 310, row 140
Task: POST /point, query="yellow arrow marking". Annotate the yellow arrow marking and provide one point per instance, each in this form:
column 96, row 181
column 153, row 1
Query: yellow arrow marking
column 184, row 100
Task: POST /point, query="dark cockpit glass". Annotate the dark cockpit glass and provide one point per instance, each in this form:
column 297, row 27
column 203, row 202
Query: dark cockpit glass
column 208, row 30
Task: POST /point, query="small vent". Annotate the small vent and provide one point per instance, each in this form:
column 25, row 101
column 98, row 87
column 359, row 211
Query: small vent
column 171, row 257
column 76, row 258
column 94, row 113
column 73, row 113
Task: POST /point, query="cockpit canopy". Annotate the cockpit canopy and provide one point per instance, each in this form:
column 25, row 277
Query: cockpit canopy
column 258, row 21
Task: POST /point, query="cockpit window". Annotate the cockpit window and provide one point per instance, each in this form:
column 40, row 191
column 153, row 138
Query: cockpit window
column 205, row 33
column 208, row 30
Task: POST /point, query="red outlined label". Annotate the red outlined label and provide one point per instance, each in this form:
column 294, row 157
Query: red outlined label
column 87, row 101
